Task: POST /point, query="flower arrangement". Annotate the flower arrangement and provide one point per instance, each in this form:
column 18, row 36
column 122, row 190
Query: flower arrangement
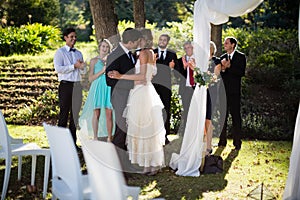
column 205, row 78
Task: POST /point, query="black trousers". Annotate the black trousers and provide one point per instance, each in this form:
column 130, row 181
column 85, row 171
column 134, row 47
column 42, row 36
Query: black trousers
column 186, row 94
column 70, row 100
column 233, row 108
column 165, row 96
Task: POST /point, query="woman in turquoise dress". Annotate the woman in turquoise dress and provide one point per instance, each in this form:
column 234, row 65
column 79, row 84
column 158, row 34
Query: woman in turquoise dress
column 98, row 122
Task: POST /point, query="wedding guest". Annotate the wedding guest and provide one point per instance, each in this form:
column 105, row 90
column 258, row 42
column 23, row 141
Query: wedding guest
column 98, row 99
column 186, row 80
column 121, row 60
column 69, row 65
column 233, row 69
column 146, row 133
column 213, row 67
column 166, row 62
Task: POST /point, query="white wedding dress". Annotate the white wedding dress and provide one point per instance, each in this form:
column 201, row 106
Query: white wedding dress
column 146, row 132
column 206, row 12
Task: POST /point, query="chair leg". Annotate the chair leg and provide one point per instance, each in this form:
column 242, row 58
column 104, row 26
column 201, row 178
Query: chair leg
column 46, row 174
column 6, row 177
column 19, row 167
column 33, row 168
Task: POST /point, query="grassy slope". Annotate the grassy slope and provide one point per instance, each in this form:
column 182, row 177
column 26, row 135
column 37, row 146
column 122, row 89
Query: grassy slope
column 257, row 162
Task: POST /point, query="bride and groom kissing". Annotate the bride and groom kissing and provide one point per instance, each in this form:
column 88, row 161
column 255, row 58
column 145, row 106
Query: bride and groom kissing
column 138, row 107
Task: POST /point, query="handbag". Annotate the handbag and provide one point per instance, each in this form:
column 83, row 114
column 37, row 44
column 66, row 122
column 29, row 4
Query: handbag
column 213, row 164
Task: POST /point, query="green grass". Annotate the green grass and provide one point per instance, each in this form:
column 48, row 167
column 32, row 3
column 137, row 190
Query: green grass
column 256, row 162
column 45, row 59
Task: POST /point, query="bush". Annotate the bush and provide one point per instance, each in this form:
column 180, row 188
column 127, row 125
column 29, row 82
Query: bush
column 28, row 39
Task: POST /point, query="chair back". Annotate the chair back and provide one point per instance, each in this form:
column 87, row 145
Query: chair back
column 4, row 137
column 65, row 161
column 104, row 170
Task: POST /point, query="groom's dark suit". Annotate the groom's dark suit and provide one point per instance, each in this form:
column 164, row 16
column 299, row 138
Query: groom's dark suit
column 232, row 82
column 162, row 83
column 118, row 60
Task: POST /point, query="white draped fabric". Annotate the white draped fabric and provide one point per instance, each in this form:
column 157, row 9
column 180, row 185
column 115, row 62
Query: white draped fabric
column 189, row 159
column 292, row 187
column 205, row 12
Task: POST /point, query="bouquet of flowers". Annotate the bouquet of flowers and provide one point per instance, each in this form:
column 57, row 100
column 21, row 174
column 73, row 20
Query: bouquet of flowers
column 205, row 78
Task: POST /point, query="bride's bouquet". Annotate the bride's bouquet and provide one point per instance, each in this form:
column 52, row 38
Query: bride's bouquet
column 205, row 78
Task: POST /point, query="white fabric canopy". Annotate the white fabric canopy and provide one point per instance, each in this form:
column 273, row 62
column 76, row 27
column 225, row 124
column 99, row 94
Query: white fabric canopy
column 205, row 12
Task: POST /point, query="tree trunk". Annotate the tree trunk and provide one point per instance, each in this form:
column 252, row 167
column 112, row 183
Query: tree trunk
column 216, row 37
column 105, row 20
column 139, row 13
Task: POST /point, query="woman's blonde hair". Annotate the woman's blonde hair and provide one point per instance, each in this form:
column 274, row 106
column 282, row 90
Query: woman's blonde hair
column 107, row 42
column 214, row 47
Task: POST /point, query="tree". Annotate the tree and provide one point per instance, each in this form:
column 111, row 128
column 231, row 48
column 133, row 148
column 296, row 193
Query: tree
column 18, row 13
column 105, row 20
column 216, row 37
column 139, row 13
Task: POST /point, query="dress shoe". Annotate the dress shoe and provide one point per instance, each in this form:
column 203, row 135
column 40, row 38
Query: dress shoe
column 222, row 144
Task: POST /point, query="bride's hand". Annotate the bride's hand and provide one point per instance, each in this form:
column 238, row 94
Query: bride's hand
column 114, row 74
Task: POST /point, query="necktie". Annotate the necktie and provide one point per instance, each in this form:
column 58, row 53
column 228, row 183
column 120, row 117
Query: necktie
column 131, row 57
column 161, row 57
column 191, row 73
column 72, row 49
column 229, row 57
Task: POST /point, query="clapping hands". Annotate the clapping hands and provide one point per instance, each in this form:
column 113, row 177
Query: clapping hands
column 225, row 64
column 80, row 64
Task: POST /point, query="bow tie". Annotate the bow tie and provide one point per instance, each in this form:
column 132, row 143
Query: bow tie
column 72, row 49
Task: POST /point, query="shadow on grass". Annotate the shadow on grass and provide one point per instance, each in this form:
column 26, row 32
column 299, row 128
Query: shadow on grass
column 170, row 186
column 18, row 189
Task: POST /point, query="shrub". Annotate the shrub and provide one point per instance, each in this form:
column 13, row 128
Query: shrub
column 31, row 39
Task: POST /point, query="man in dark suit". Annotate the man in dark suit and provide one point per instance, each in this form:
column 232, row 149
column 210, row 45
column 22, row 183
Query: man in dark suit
column 122, row 61
column 165, row 63
column 233, row 69
column 186, row 79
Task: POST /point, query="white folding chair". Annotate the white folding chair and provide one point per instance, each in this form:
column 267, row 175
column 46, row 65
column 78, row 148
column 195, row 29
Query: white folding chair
column 105, row 172
column 67, row 180
column 19, row 149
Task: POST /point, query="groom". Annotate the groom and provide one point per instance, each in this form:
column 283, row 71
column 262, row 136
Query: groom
column 122, row 61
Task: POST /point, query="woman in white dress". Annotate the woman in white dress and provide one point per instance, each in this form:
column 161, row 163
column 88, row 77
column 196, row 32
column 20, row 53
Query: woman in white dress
column 146, row 132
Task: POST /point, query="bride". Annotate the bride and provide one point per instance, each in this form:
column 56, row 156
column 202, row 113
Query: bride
column 146, row 132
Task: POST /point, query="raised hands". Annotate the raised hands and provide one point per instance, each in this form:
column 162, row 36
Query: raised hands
column 172, row 64
column 80, row 64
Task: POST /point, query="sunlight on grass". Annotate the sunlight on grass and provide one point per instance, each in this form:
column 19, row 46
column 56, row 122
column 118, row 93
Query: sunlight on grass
column 256, row 163
column 35, row 134
column 45, row 59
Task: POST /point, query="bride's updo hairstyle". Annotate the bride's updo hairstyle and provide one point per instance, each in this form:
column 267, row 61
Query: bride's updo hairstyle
column 147, row 35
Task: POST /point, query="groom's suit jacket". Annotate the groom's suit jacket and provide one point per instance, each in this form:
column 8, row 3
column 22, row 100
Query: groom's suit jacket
column 118, row 60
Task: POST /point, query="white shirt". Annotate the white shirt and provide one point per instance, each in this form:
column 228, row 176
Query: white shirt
column 127, row 51
column 187, row 82
column 231, row 55
column 164, row 54
column 64, row 61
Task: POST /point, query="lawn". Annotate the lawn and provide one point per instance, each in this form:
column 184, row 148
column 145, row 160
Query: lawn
column 256, row 163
